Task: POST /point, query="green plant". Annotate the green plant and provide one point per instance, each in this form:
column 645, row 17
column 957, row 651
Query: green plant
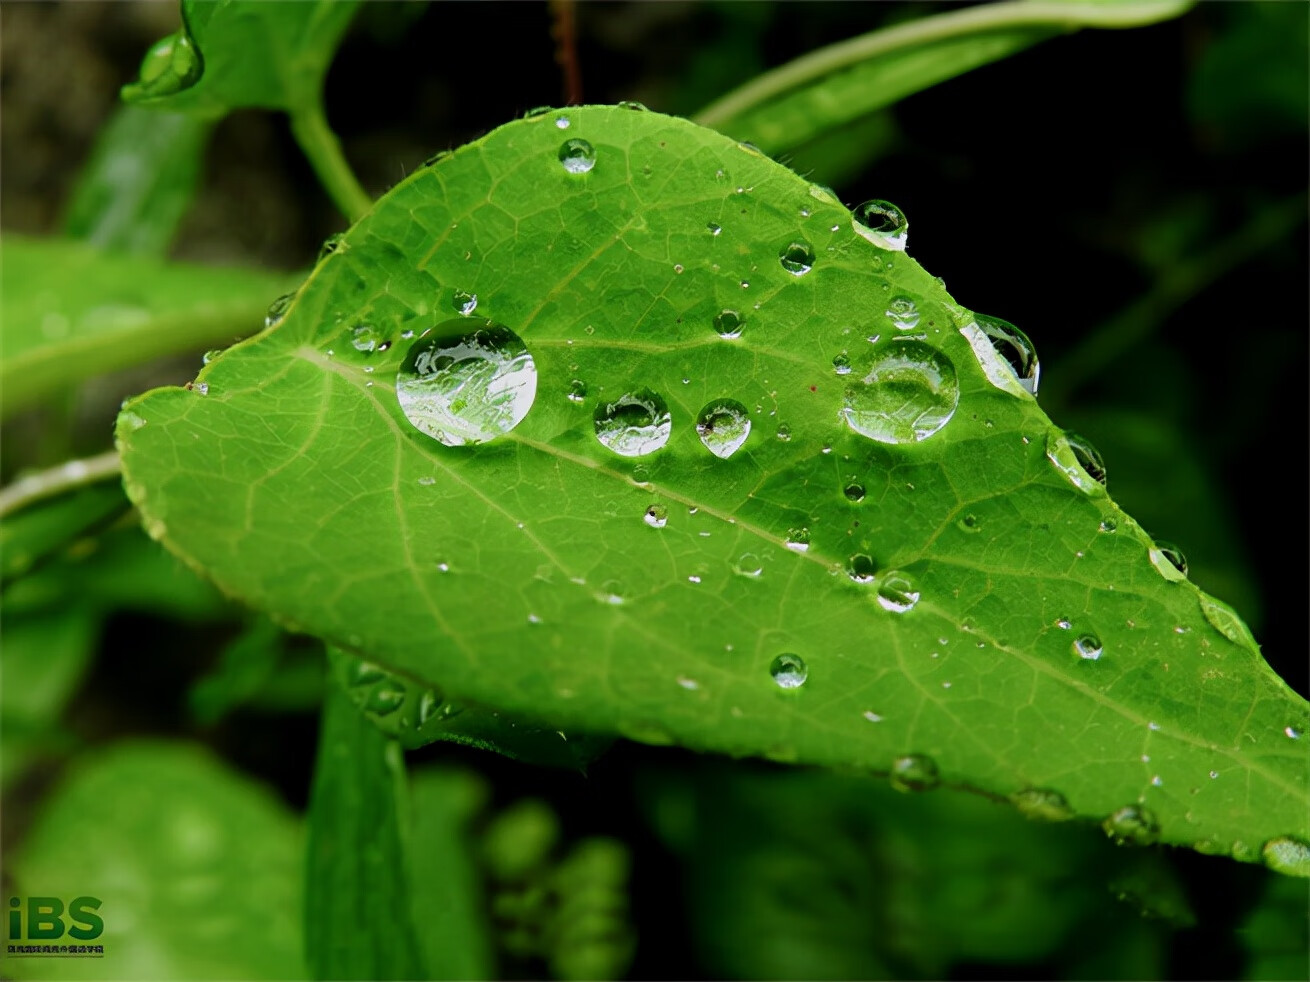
column 606, row 425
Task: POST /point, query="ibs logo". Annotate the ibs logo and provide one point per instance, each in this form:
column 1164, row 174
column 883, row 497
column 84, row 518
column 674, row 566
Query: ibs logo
column 48, row 920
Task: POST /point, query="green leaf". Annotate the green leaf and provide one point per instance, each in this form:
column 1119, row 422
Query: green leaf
column 446, row 888
column 39, row 531
column 357, row 913
column 1276, row 934
column 545, row 575
column 69, row 312
column 828, row 88
column 139, row 182
column 232, row 54
column 168, row 839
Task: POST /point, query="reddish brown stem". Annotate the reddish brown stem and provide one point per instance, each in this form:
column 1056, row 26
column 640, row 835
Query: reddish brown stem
column 563, row 15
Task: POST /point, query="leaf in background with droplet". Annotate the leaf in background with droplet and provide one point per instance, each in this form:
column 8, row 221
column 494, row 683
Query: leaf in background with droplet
column 544, row 575
column 69, row 312
column 232, row 54
column 829, row 88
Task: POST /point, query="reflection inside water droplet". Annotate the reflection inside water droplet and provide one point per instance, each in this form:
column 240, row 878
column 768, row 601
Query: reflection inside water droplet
column 1076, row 458
column 728, row 324
column 797, row 257
column 723, row 426
column 656, row 516
column 914, row 772
column 1088, row 647
column 903, row 313
column 897, row 591
column 577, row 156
column 789, row 671
column 635, row 424
column 908, row 393
column 882, row 223
column 467, row 387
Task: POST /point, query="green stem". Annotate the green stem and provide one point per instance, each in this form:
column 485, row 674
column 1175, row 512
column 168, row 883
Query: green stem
column 1139, row 320
column 984, row 17
column 68, row 476
column 323, row 149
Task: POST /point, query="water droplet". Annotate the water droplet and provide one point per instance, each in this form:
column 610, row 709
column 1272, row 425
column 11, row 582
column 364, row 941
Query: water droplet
column 903, row 313
column 728, row 324
column 748, row 565
column 464, row 303
column 798, row 539
column 914, row 772
column 1088, row 646
column 841, row 364
column 882, row 223
column 384, row 700
column 632, row 105
column 723, row 426
column 797, row 257
column 635, row 424
column 437, row 157
column 210, row 355
column 562, row 123
column 278, row 309
column 713, row 228
column 909, row 393
column 1042, row 804
column 1109, row 525
column 860, row 568
column 969, row 523
column 577, row 156
column 1006, row 355
column 577, row 390
column 1063, row 624
column 871, row 716
column 789, row 671
column 1168, row 560
column 172, row 64
column 854, row 491
column 536, row 111
column 784, row 433
column 897, row 591
column 363, row 673
column 656, row 516
column 1287, row 855
column 330, row 245
column 201, row 388
column 1227, row 622
column 1291, row 732
column 1132, row 825
column 467, row 387
column 1076, row 458
column 365, row 337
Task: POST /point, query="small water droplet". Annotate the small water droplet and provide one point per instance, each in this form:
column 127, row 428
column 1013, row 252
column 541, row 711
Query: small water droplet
column 882, row 223
column 797, row 257
column 1288, row 855
column 635, row 424
column 537, row 111
column 210, row 355
column 1088, row 646
column 1168, row 560
column 577, row 390
column 1109, row 525
column 170, row 65
column 427, row 481
column 384, row 700
column 467, row 387
column 691, row 685
column 860, row 568
column 713, row 228
column 201, row 388
column 723, row 426
column 897, row 591
column 278, row 309
column 464, row 303
column 656, row 516
column 914, row 772
column 903, row 313
column 871, row 716
column 1291, row 732
column 1227, row 622
column 363, row 673
column 577, row 156
column 784, row 433
column 841, row 364
column 969, row 523
column 728, row 324
column 908, row 394
column 632, row 105
column 798, row 539
column 331, row 244
column 443, row 567
column 1063, row 624
column 748, row 565
column 854, row 491
column 1132, row 825
column 365, row 338
column 789, row 671
column 1042, row 804
column 1076, row 458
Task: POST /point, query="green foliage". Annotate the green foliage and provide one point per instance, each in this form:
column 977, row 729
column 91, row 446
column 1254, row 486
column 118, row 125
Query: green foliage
column 970, row 516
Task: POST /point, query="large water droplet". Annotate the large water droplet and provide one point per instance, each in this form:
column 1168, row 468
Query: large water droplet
column 1088, row 646
column 914, row 772
column 656, row 516
column 897, row 591
column 577, row 156
column 903, row 313
column 1288, row 855
column 789, row 671
column 728, row 324
column 1168, row 560
column 1076, row 458
column 172, row 64
column 723, row 426
column 797, row 257
column 278, row 309
column 1004, row 353
column 861, row 568
column 882, row 223
column 1042, row 804
column 908, row 394
column 841, row 363
column 464, row 303
column 635, row 424
column 798, row 539
column 1227, row 622
column 1132, row 825
column 467, row 387
column 854, row 491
